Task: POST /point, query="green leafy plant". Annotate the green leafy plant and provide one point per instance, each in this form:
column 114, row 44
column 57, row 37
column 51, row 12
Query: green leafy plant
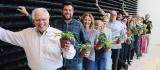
column 118, row 39
column 86, row 47
column 145, row 28
column 85, row 50
column 67, row 36
column 128, row 41
column 136, row 30
column 106, row 43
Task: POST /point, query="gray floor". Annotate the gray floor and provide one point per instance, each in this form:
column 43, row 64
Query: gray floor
column 149, row 61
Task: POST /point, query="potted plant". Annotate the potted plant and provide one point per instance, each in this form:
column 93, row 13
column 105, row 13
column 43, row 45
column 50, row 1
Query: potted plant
column 118, row 39
column 97, row 45
column 107, row 44
column 66, row 37
column 141, row 29
column 128, row 41
column 136, row 30
column 129, row 33
column 85, row 49
column 145, row 29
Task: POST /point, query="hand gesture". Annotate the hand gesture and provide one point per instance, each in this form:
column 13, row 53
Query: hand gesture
column 123, row 5
column 97, row 3
column 23, row 10
column 67, row 46
column 118, row 41
column 86, row 54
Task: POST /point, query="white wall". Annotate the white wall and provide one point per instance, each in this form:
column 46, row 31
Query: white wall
column 153, row 8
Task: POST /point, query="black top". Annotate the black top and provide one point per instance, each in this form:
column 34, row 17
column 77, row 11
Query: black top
column 149, row 26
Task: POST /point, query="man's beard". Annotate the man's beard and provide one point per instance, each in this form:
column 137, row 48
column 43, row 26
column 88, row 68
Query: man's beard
column 67, row 18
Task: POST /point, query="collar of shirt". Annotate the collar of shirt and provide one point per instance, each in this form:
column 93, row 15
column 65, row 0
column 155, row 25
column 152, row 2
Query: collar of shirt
column 48, row 30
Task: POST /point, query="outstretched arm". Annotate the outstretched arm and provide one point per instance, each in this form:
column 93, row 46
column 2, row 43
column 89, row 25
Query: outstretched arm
column 15, row 38
column 23, row 10
column 124, row 11
column 100, row 9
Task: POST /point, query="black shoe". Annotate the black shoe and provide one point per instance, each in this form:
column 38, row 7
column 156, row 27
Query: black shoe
column 129, row 62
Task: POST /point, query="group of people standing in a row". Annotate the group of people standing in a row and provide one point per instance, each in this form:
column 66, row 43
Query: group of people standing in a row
column 43, row 50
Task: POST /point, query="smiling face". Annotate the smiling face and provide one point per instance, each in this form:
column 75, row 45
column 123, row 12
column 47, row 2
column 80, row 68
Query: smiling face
column 105, row 20
column 119, row 16
column 113, row 15
column 99, row 25
column 67, row 12
column 41, row 21
column 87, row 21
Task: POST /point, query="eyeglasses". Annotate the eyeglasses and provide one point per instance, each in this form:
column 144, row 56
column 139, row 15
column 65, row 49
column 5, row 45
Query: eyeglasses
column 43, row 19
column 113, row 14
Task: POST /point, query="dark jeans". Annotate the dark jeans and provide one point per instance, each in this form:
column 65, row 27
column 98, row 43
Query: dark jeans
column 132, row 50
column 115, row 57
column 72, row 64
column 137, row 45
column 127, row 53
column 88, row 64
column 132, row 54
column 121, row 61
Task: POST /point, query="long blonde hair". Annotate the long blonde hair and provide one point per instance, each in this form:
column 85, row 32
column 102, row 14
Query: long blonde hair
column 91, row 16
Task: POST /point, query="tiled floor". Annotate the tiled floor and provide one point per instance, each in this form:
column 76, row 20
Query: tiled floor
column 150, row 61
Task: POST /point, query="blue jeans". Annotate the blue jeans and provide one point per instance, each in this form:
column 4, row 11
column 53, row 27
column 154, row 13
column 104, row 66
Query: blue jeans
column 73, row 64
column 103, row 60
column 88, row 64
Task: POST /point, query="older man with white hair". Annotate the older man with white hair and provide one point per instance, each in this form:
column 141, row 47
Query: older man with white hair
column 40, row 43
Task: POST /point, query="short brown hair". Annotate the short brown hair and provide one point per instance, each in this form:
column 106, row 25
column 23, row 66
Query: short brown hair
column 67, row 3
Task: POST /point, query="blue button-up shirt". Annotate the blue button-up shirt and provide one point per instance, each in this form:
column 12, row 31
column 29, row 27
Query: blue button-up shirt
column 75, row 27
column 81, row 36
